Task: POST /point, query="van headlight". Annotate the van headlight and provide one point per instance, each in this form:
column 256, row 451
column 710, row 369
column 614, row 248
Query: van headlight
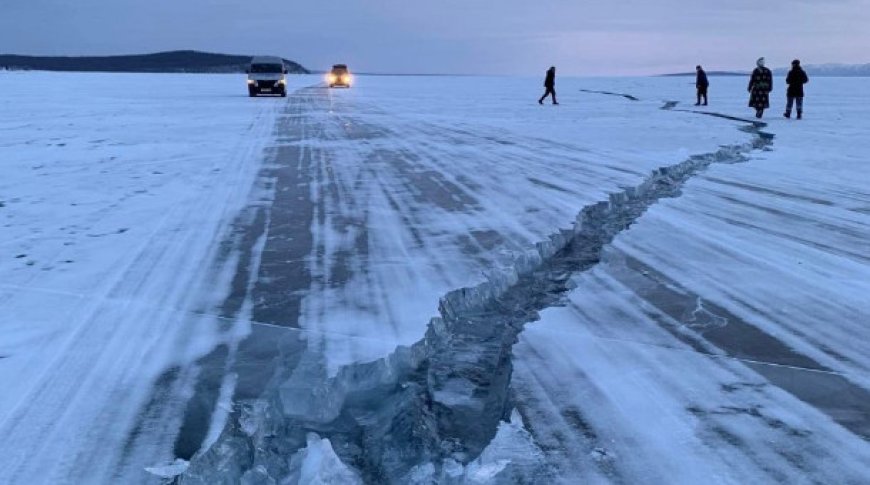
column 251, row 82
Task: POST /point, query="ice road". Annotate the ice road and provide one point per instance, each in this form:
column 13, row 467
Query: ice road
column 431, row 280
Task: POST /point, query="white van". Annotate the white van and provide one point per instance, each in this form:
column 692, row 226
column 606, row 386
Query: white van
column 267, row 75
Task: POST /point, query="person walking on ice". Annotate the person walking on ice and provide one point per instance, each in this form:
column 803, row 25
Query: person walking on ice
column 760, row 86
column 796, row 79
column 702, row 84
column 550, row 85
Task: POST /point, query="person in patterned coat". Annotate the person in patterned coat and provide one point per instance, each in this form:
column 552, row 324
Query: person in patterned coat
column 760, row 86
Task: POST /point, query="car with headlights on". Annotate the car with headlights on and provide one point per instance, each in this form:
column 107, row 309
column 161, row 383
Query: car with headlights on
column 339, row 76
column 267, row 75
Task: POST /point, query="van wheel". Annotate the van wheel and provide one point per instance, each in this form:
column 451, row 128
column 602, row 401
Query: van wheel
column 252, row 93
column 284, row 93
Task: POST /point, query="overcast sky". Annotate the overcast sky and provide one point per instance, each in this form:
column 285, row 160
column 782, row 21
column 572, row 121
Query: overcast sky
column 455, row 36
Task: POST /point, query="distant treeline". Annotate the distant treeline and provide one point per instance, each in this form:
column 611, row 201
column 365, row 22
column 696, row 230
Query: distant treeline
column 822, row 70
column 175, row 61
column 709, row 73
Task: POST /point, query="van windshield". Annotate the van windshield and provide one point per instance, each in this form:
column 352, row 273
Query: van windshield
column 267, row 68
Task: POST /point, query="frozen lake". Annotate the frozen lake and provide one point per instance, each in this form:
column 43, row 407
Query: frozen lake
column 273, row 288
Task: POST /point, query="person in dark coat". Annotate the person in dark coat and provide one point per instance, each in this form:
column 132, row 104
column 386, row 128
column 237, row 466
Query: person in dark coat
column 550, row 85
column 702, row 84
column 796, row 79
column 760, row 86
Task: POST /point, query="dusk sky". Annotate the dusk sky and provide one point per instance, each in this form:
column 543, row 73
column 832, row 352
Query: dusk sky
column 455, row 36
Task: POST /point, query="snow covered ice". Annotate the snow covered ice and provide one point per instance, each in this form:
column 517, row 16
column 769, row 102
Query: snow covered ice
column 431, row 280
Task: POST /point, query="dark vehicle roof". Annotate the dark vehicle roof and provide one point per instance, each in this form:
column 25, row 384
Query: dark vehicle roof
column 340, row 66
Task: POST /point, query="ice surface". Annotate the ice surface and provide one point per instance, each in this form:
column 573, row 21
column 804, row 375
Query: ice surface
column 771, row 386
column 115, row 195
column 596, row 458
column 719, row 339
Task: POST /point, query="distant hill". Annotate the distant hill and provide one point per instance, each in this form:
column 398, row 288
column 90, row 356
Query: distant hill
column 709, row 73
column 175, row 61
column 832, row 70
column 819, row 70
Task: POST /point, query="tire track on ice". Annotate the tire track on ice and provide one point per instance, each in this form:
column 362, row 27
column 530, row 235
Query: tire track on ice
column 66, row 428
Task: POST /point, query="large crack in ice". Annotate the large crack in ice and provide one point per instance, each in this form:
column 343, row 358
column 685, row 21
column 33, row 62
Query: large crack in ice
column 432, row 411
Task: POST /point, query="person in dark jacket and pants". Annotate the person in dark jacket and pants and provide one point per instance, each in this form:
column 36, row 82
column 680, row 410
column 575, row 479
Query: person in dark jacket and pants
column 702, row 84
column 550, row 85
column 760, row 86
column 796, row 80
